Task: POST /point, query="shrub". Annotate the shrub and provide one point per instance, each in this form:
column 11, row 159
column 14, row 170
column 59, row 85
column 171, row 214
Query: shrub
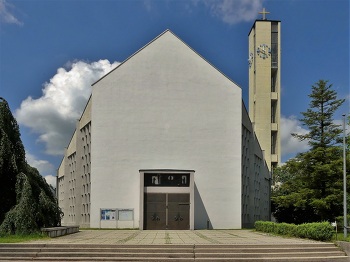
column 265, row 226
column 322, row 231
column 285, row 229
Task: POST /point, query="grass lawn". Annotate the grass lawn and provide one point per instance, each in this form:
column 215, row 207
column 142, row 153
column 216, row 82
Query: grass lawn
column 21, row 238
column 340, row 237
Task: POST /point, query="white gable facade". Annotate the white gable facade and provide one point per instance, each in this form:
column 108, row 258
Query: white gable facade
column 161, row 147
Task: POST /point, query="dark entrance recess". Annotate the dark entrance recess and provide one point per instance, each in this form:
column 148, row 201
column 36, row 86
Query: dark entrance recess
column 166, row 211
column 167, row 180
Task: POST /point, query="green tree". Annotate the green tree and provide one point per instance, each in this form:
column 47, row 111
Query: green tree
column 314, row 190
column 12, row 158
column 27, row 202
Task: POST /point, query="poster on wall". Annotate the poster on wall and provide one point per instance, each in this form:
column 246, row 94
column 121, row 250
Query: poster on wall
column 108, row 214
column 125, row 214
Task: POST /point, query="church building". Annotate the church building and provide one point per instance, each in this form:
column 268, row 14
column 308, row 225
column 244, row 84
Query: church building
column 166, row 142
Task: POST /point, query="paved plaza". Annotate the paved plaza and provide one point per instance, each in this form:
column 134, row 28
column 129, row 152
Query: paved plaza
column 160, row 237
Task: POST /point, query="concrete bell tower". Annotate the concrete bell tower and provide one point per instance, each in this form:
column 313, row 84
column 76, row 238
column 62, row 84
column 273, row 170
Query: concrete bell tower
column 265, row 86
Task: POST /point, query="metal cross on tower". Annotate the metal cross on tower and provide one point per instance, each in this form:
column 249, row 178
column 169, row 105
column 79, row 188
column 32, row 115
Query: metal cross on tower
column 264, row 13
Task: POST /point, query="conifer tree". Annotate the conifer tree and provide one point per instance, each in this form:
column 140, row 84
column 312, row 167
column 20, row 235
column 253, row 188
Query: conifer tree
column 319, row 117
column 315, row 191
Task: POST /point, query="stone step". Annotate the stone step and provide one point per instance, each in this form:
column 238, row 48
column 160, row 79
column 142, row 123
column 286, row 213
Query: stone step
column 80, row 252
column 201, row 246
column 97, row 249
column 41, row 245
column 170, row 255
column 168, row 249
column 275, row 259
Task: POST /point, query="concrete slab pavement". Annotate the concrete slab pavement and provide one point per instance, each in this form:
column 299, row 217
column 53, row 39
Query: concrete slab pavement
column 160, row 237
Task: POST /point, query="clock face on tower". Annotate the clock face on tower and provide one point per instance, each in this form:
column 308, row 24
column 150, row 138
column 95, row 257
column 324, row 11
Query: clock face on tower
column 263, row 51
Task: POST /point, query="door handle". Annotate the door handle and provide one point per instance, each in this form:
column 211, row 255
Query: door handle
column 155, row 217
column 178, row 217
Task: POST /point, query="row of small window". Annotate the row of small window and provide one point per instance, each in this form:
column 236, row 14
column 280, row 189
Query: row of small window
column 72, row 163
column 256, row 217
column 72, row 166
column 85, row 218
column 245, row 217
column 245, row 164
column 72, row 183
column 72, row 200
column 71, row 158
column 86, row 138
column 87, row 158
column 245, row 141
column 244, row 208
column 71, row 209
column 71, row 192
column 245, row 150
column 85, row 190
column 85, row 209
column 71, row 217
column 86, row 168
column 86, row 187
column 245, row 178
column 72, row 174
column 86, row 178
column 86, row 149
column 86, row 198
column 85, row 132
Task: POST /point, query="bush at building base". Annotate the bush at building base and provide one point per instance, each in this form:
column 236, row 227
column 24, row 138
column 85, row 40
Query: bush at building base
column 321, row 231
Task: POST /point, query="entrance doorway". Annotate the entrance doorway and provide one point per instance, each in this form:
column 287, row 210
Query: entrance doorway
column 166, row 211
column 166, row 199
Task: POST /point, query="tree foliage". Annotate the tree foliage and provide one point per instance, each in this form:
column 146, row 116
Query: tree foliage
column 309, row 187
column 27, row 202
column 12, row 158
column 319, row 117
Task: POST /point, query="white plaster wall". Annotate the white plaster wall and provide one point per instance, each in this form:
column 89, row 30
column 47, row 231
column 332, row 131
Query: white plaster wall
column 166, row 108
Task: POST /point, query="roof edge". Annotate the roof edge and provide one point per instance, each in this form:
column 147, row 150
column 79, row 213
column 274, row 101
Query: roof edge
column 133, row 54
column 164, row 32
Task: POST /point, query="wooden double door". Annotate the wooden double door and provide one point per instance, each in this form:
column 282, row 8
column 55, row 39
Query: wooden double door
column 166, row 211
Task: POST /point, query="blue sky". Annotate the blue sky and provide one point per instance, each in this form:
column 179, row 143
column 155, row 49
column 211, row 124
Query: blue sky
column 51, row 51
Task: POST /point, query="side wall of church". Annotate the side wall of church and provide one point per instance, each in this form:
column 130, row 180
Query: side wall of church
column 167, row 108
column 74, row 176
column 255, row 177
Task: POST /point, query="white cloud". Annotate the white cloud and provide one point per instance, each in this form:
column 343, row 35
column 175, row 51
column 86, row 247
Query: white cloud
column 44, row 167
column 233, row 12
column 51, row 180
column 5, row 14
column 53, row 116
column 289, row 144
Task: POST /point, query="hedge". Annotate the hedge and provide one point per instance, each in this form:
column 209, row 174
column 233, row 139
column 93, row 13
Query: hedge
column 321, row 231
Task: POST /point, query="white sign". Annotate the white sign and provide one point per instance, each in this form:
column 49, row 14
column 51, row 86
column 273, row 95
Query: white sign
column 125, row 214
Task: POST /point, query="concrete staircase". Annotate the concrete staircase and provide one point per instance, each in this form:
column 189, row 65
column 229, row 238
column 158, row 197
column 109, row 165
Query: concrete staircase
column 78, row 252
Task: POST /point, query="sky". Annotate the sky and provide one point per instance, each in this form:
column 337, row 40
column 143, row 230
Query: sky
column 51, row 51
